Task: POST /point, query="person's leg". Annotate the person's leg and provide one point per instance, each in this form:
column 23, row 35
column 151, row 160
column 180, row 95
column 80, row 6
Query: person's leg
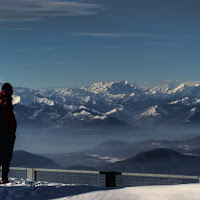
column 1, row 148
column 7, row 154
column 5, row 170
column 2, row 144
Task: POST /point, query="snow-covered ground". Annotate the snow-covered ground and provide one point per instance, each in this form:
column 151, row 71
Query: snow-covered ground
column 178, row 192
column 20, row 189
column 25, row 189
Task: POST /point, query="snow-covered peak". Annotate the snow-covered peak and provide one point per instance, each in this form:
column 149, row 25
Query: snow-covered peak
column 45, row 101
column 100, row 87
column 191, row 83
column 119, row 87
column 177, row 89
column 151, row 111
column 111, row 111
column 192, row 113
column 193, row 110
column 197, row 101
column 155, row 90
column 183, row 101
column 184, row 90
column 123, row 87
column 82, row 113
column 124, row 82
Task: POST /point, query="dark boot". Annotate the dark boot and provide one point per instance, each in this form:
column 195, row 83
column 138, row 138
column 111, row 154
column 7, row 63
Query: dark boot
column 5, row 170
column 4, row 181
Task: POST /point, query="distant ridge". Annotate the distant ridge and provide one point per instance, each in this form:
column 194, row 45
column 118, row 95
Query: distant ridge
column 158, row 161
column 24, row 159
column 156, row 155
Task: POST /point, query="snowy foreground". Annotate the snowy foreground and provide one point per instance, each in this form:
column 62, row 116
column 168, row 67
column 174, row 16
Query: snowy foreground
column 25, row 189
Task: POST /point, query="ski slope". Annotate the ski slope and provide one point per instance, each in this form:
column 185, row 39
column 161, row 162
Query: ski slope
column 30, row 190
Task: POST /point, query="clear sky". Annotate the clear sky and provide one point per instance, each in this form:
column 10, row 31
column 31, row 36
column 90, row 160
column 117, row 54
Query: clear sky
column 62, row 43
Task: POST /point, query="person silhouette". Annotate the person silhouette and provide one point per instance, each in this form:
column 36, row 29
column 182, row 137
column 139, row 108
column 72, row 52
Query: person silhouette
column 8, row 126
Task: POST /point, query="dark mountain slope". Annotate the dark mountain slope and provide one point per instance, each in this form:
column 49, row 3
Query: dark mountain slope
column 159, row 160
column 156, row 161
column 25, row 159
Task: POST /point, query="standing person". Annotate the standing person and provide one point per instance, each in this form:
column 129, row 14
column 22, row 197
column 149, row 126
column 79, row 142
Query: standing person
column 8, row 127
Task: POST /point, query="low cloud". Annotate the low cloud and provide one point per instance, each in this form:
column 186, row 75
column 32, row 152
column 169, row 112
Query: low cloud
column 36, row 9
column 160, row 43
column 116, row 35
column 50, row 48
column 47, row 48
column 15, row 29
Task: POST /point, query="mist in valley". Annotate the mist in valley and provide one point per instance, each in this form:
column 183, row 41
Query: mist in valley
column 55, row 140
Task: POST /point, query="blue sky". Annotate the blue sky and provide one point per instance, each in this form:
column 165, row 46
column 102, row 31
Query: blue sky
column 61, row 43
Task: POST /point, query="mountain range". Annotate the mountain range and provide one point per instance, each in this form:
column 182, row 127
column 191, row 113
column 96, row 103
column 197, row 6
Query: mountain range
column 112, row 105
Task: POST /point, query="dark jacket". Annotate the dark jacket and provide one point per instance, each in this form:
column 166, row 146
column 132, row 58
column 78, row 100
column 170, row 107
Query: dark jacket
column 7, row 117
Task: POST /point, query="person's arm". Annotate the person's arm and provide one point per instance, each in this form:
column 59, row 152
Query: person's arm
column 10, row 118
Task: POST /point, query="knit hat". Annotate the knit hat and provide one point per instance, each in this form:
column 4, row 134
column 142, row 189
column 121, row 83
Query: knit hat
column 6, row 87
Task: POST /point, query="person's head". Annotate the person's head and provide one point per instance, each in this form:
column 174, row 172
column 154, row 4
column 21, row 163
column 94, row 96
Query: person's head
column 7, row 88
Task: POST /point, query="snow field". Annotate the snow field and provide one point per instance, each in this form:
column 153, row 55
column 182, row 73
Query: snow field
column 39, row 190
column 20, row 189
column 176, row 192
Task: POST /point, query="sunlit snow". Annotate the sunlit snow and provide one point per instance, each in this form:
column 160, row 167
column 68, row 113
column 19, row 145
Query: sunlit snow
column 150, row 111
column 45, row 101
column 16, row 99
